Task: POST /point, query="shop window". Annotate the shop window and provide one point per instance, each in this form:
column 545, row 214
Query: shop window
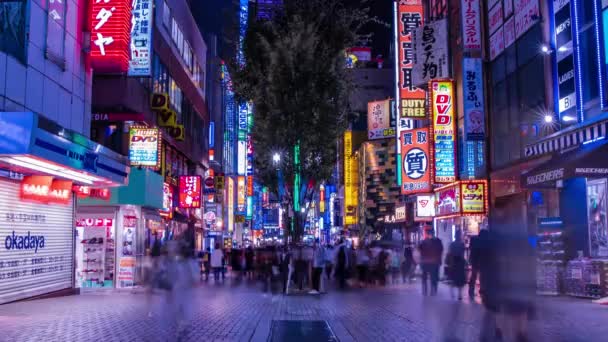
column 498, row 69
column 589, row 64
column 596, row 209
column 55, row 32
column 13, row 28
column 585, row 12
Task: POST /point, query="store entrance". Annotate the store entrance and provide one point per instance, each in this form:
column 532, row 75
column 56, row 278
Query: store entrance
column 95, row 252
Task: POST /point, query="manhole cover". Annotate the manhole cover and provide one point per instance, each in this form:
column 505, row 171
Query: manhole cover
column 295, row 331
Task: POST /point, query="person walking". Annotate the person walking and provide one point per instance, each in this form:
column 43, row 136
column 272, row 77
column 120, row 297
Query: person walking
column 474, row 260
column 249, row 259
column 362, row 265
column 342, row 264
column 431, row 250
column 456, row 265
column 395, row 261
column 217, row 262
column 408, row 262
column 329, row 260
column 318, row 264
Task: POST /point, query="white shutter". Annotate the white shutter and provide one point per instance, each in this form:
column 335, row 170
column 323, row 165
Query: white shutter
column 27, row 271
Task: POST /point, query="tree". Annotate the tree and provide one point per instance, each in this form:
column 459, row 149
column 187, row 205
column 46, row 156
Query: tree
column 296, row 78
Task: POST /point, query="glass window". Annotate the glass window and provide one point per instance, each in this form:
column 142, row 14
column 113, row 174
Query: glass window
column 585, row 12
column 528, row 46
column 166, row 15
column 498, row 69
column 55, row 31
column 161, row 77
column 12, row 28
column 589, row 64
column 174, row 32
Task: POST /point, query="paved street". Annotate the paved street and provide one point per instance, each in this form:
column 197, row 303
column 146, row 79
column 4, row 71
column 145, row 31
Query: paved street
column 243, row 313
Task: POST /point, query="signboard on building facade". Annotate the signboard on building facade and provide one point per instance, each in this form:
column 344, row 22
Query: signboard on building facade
column 495, row 17
column 474, row 196
column 400, row 213
column 507, row 8
column 141, row 38
column 167, row 210
column 508, row 31
column 471, row 27
column 527, row 13
column 497, row 43
column 379, row 121
column 230, row 203
column 110, row 23
column 447, row 200
column 425, row 208
column 145, row 146
column 409, row 18
column 564, row 57
column 241, row 193
column 474, row 115
column 190, row 191
column 443, row 131
column 431, row 46
column 351, row 180
column 417, row 161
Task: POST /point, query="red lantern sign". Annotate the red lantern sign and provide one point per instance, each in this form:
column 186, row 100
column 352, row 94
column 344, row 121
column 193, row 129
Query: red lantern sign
column 190, row 191
column 110, row 22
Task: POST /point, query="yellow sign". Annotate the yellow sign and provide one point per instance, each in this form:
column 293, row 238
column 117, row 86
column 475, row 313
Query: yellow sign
column 351, row 181
column 240, row 219
column 160, row 103
column 167, row 118
column 474, row 197
column 241, row 193
column 230, row 197
column 219, row 182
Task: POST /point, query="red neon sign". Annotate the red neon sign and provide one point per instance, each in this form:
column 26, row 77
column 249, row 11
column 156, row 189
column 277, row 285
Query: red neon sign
column 190, row 191
column 46, row 190
column 110, row 22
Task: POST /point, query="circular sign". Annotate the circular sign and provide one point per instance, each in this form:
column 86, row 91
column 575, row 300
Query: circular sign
column 415, row 163
column 209, row 182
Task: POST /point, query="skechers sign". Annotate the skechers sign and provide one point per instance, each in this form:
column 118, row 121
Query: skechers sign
column 24, row 242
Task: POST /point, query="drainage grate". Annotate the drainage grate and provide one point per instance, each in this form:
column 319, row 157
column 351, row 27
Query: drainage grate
column 296, row 331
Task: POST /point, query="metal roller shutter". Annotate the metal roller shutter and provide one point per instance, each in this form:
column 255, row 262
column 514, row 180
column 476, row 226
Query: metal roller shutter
column 36, row 246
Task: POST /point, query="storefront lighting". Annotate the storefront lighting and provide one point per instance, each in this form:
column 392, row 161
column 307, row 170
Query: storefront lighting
column 546, row 49
column 568, row 118
column 548, row 118
column 37, row 165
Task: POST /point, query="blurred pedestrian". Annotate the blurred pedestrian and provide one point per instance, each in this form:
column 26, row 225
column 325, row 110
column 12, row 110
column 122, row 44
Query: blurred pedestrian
column 474, row 260
column 318, row 264
column 383, row 264
column 395, row 262
column 217, row 262
column 362, row 265
column 456, row 265
column 489, row 283
column 431, row 250
column 329, row 260
column 408, row 262
column 342, row 264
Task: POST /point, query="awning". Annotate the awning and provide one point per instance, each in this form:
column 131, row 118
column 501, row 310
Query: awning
column 587, row 161
column 33, row 144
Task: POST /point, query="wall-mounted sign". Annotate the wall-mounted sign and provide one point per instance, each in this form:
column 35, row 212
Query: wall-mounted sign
column 379, row 121
column 417, row 161
column 110, row 23
column 495, row 17
column 431, row 46
column 211, row 217
column 241, row 190
column 241, row 157
column 166, row 117
column 219, row 182
column 474, row 115
column 425, row 208
column 527, row 13
column 167, row 210
column 400, row 213
column 447, row 200
column 189, row 191
column 83, row 191
column 508, row 31
column 145, row 146
column 209, row 186
column 474, row 196
column 230, row 203
column 497, row 43
column 471, row 31
column 443, row 131
column 249, row 186
column 564, row 57
column 45, row 189
column 141, row 38
column 351, row 180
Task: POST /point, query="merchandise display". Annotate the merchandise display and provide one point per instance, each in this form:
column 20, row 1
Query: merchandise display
column 585, row 278
column 551, row 256
column 95, row 250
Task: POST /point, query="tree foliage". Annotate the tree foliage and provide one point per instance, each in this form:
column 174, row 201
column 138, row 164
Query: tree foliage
column 296, row 78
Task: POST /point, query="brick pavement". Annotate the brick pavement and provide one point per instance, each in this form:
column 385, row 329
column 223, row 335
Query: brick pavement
column 243, row 313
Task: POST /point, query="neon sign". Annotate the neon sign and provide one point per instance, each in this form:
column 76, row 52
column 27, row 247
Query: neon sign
column 110, row 22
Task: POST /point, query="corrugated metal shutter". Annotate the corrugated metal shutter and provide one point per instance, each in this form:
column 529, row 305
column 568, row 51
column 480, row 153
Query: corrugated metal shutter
column 27, row 271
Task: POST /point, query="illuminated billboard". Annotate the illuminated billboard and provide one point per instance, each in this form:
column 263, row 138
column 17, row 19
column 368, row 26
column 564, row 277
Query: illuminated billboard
column 145, row 147
column 351, row 180
column 190, row 191
column 417, row 161
column 379, row 120
column 443, row 130
column 110, row 35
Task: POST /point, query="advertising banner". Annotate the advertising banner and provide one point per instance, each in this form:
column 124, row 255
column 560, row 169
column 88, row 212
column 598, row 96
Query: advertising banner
column 400, row 213
column 425, row 208
column 230, row 201
column 474, row 115
column 145, row 147
column 471, row 27
column 379, row 121
column 443, row 131
column 190, row 191
column 409, row 18
column 474, row 197
column 527, row 13
column 431, row 46
column 110, row 35
column 351, row 180
column 167, row 210
column 447, row 200
column 141, row 38
column 241, row 193
column 417, row 161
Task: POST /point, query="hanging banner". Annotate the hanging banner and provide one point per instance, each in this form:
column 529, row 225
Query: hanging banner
column 351, row 180
column 417, row 161
column 141, row 39
column 190, row 191
column 409, row 18
column 443, row 131
column 471, row 31
column 527, row 13
column 474, row 116
column 431, row 48
column 110, row 35
column 379, row 121
column 167, row 210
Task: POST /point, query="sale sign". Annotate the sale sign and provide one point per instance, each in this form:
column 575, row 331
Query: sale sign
column 443, row 130
column 189, row 191
column 145, row 147
column 416, row 170
column 110, row 22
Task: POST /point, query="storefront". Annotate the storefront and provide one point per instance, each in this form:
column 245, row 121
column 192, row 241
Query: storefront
column 114, row 235
column 40, row 164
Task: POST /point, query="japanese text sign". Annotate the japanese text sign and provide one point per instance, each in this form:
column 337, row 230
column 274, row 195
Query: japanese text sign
column 145, row 147
column 431, row 46
column 417, row 161
column 527, row 13
column 474, row 116
column 471, row 30
column 241, row 193
column 474, row 197
column 409, row 18
column 110, row 22
column 447, row 200
column 189, row 191
column 495, row 17
column 443, row 130
column 141, row 38
column 378, row 120
column 45, row 189
column 167, row 210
